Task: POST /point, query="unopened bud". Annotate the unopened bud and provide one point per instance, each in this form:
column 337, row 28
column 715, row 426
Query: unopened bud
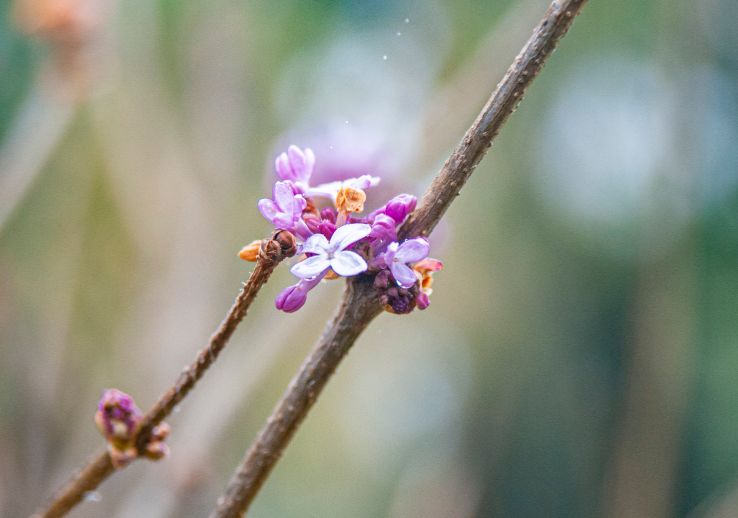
column 250, row 252
column 287, row 242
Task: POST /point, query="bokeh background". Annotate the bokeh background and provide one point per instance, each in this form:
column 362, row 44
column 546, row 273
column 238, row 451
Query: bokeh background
column 580, row 356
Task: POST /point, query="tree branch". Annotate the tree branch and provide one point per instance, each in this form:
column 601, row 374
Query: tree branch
column 272, row 252
column 359, row 305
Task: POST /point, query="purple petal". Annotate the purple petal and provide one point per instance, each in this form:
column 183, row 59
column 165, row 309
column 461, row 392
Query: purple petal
column 349, row 234
column 389, row 255
column 309, row 163
column 316, row 244
column 362, row 182
column 311, row 267
column 297, row 159
column 282, row 166
column 348, row 263
column 412, row 250
column 302, row 163
column 284, row 196
column 283, row 221
column 403, row 274
column 268, row 209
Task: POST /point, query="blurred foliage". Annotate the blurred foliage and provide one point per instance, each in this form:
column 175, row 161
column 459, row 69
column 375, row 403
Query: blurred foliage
column 581, row 351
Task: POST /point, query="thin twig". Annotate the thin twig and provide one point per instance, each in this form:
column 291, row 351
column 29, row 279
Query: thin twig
column 273, row 251
column 359, row 305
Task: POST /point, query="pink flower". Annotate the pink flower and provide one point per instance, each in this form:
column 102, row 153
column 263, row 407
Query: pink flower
column 284, row 211
column 295, row 165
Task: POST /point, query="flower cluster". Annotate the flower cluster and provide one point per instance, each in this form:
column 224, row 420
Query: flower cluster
column 118, row 419
column 335, row 241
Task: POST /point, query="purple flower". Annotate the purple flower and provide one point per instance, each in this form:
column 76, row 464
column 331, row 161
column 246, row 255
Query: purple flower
column 398, row 255
column 285, row 210
column 400, row 206
column 293, row 298
column 333, row 253
column 295, row 165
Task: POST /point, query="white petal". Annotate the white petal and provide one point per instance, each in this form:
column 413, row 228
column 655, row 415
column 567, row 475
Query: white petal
column 315, row 244
column 362, row 182
column 325, row 190
column 311, row 267
column 348, row 263
column 349, row 234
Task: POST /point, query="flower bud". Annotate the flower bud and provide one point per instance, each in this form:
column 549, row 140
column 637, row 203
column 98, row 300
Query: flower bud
column 422, row 301
column 286, row 242
column 291, row 299
column 400, row 206
column 250, row 252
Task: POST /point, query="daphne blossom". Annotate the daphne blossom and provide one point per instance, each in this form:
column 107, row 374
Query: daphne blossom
column 333, row 254
column 399, row 255
column 335, row 240
column 284, row 211
column 296, row 165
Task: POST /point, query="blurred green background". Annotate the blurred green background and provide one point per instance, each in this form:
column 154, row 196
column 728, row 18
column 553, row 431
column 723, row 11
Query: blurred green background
column 580, row 356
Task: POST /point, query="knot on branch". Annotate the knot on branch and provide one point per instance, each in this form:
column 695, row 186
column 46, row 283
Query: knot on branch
column 120, row 421
column 281, row 245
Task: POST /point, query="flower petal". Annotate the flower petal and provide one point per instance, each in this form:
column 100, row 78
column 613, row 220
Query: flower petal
column 311, row 267
column 267, row 208
column 325, row 190
column 282, row 166
column 413, row 250
column 362, row 182
column 309, row 164
column 403, row 274
column 428, row 265
column 315, row 244
column 284, row 196
column 349, row 234
column 348, row 263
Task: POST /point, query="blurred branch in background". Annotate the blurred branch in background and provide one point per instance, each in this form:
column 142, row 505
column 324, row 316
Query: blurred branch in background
column 457, row 101
column 642, row 481
column 272, row 252
column 35, row 133
column 70, row 28
column 359, row 305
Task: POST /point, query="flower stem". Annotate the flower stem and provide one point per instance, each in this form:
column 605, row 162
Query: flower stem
column 272, row 252
column 359, row 304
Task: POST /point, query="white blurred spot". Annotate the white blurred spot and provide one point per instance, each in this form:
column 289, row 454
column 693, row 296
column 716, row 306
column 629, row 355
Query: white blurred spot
column 608, row 164
column 92, row 496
